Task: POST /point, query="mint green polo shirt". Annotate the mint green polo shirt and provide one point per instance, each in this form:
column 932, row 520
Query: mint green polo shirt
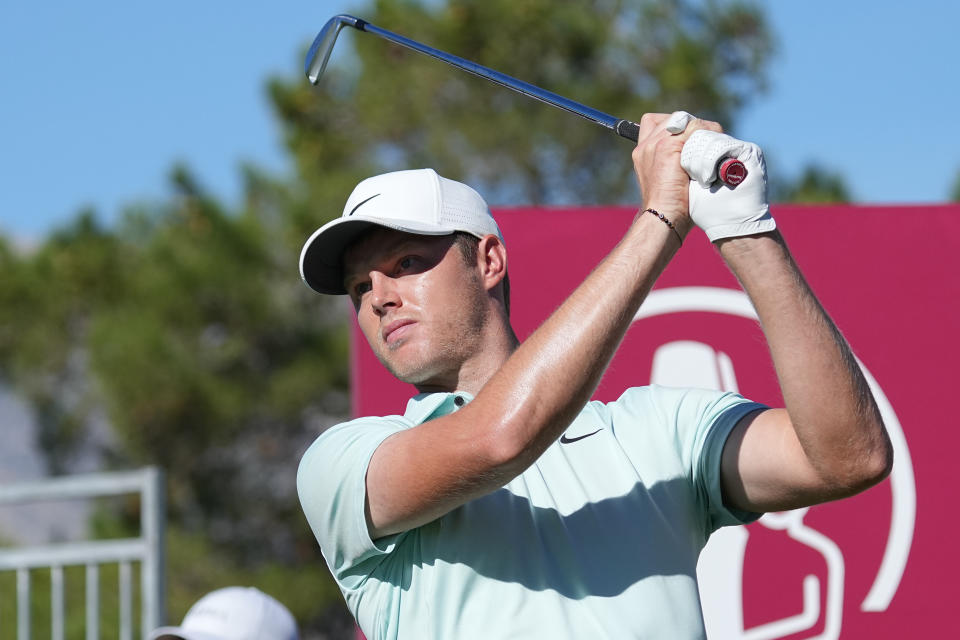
column 599, row 538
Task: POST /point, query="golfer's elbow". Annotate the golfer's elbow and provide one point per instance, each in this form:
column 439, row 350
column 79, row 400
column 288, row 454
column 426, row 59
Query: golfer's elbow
column 880, row 462
column 878, row 457
column 867, row 462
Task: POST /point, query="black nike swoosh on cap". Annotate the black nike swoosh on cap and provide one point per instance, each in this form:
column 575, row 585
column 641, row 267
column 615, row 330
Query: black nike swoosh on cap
column 565, row 440
column 361, row 203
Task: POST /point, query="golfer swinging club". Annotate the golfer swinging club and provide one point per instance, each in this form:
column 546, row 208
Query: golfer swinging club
column 504, row 503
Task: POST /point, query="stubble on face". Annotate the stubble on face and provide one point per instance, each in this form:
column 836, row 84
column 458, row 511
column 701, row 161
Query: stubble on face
column 449, row 305
column 448, row 337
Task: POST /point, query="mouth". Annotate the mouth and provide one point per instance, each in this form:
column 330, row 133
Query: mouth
column 396, row 330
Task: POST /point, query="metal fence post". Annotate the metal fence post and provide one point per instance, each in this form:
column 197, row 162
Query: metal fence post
column 152, row 572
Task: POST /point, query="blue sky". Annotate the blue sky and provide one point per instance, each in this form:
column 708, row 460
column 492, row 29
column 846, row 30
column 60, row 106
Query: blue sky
column 100, row 98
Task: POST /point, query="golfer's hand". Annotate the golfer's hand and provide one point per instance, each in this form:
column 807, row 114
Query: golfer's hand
column 656, row 161
column 720, row 210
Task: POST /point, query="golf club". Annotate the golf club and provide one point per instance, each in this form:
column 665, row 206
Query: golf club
column 731, row 171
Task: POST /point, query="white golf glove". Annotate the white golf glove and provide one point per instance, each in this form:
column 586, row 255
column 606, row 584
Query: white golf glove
column 720, row 210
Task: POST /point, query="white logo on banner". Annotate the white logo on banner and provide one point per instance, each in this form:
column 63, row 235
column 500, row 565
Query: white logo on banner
column 720, row 569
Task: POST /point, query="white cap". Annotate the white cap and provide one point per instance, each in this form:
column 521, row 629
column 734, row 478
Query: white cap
column 233, row 613
column 415, row 201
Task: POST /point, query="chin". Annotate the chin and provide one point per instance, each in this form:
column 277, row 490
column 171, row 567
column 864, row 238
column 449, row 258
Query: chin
column 403, row 369
column 412, row 375
column 415, row 373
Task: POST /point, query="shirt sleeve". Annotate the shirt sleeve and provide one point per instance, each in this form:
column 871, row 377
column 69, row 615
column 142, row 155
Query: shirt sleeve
column 331, row 483
column 722, row 417
column 703, row 420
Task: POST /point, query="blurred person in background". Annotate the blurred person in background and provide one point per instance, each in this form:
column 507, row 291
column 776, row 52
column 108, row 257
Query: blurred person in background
column 233, row 613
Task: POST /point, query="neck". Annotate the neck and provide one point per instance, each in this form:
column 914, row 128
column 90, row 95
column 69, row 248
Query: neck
column 497, row 346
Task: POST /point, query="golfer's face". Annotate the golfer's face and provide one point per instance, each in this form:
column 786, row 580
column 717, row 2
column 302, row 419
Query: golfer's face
column 415, row 301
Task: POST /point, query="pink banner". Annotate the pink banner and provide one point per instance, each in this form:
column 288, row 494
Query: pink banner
column 880, row 564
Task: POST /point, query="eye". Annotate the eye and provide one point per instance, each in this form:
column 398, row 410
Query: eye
column 405, row 263
column 360, row 289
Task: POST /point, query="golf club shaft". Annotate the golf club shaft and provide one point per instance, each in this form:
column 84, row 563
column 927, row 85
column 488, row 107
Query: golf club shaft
column 731, row 171
column 623, row 127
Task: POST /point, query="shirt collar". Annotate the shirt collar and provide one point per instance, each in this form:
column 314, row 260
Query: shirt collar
column 427, row 406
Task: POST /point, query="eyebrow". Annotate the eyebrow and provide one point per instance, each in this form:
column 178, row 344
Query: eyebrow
column 398, row 247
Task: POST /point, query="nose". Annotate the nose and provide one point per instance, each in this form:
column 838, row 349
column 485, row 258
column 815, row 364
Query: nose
column 383, row 293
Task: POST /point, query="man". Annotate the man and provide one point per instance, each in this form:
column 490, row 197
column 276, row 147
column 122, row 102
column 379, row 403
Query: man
column 465, row 518
column 233, row 613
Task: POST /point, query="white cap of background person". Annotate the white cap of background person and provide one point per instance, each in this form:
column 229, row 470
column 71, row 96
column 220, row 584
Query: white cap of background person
column 414, row 201
column 233, row 613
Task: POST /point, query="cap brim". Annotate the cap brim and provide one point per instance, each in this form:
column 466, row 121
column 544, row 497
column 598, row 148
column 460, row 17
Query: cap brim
column 321, row 260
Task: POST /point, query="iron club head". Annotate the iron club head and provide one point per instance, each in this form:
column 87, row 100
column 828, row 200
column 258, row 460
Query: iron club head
column 322, row 46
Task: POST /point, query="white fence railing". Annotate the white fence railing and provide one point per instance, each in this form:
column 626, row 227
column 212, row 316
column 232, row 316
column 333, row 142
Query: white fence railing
column 146, row 549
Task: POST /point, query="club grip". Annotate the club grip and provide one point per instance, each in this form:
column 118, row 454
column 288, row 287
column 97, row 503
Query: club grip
column 731, row 171
column 629, row 130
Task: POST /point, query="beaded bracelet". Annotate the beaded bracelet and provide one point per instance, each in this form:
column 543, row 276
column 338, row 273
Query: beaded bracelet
column 665, row 221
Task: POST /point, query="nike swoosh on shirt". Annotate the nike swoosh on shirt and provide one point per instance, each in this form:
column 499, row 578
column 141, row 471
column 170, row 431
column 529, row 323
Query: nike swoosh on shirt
column 565, row 440
column 361, row 203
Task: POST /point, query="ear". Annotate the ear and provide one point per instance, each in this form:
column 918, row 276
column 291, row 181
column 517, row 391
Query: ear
column 492, row 261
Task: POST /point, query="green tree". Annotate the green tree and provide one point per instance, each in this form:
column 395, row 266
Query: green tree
column 186, row 330
column 47, row 301
column 814, row 185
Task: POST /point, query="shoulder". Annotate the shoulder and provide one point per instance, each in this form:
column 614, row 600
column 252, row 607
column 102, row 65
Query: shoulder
column 347, row 443
column 332, row 491
column 361, row 428
column 676, row 402
column 685, row 416
column 332, row 469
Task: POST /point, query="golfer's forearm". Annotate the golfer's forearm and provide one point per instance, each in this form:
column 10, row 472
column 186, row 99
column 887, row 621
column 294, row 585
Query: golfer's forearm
column 830, row 405
column 546, row 382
